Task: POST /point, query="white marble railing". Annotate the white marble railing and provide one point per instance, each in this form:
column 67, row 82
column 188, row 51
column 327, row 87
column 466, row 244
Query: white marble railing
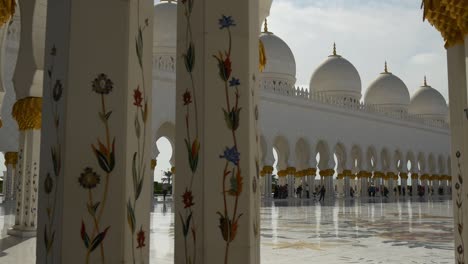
column 304, row 94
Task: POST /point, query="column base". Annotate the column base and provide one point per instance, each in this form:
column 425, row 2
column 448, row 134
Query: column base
column 17, row 231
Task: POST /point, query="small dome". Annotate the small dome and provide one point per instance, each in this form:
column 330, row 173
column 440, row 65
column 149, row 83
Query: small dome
column 388, row 91
column 165, row 26
column 279, row 57
column 429, row 103
column 336, row 77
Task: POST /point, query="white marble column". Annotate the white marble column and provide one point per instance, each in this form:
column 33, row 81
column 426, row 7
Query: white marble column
column 11, row 161
column 217, row 195
column 404, row 183
column 27, row 112
column 94, row 202
column 457, row 62
column 267, row 174
column 347, row 182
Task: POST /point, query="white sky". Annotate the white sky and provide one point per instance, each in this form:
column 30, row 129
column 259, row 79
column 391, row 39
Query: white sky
column 367, row 32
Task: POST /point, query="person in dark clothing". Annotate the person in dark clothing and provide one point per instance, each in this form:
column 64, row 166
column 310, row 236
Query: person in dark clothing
column 299, row 191
column 322, row 193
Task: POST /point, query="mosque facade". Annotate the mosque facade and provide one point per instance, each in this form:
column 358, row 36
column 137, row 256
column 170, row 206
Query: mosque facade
column 330, row 133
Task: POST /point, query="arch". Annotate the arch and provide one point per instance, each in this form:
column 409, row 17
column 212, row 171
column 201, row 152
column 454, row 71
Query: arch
column 324, row 151
column 432, row 165
column 371, row 158
column 398, row 160
column 421, row 162
column 411, row 158
column 340, row 152
column 356, row 158
column 441, row 164
column 302, row 153
column 385, row 160
column 167, row 130
column 281, row 144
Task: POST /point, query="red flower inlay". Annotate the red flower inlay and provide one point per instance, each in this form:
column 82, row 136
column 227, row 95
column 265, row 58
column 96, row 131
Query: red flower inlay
column 188, row 199
column 141, row 238
column 227, row 66
column 137, row 97
column 187, row 98
column 83, row 230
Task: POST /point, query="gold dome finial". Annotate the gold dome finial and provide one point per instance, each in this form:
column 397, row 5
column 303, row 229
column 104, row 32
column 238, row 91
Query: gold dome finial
column 425, row 80
column 385, row 67
column 265, row 26
column 334, row 49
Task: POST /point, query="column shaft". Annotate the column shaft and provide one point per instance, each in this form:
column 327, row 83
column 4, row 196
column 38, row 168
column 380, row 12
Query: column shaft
column 95, row 175
column 217, row 195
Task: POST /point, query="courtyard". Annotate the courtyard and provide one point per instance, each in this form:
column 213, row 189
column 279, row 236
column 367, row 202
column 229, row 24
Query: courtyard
column 367, row 230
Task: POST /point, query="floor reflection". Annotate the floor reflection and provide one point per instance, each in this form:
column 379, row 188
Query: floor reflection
column 367, row 230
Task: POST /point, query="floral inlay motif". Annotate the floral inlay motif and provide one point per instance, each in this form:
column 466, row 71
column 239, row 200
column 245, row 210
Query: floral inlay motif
column 232, row 183
column 50, row 183
column 191, row 140
column 459, row 220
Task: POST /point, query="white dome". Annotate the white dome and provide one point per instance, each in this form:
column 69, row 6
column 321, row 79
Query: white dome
column 165, row 26
column 336, row 77
column 280, row 60
column 388, row 91
column 428, row 102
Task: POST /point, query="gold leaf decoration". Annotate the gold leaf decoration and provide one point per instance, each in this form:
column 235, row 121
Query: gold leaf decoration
column 7, row 10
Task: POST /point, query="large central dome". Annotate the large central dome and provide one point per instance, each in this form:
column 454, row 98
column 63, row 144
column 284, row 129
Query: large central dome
column 336, row 77
column 388, row 91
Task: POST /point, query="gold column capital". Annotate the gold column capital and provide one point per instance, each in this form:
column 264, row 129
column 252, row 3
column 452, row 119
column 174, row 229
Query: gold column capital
column 11, row 158
column 28, row 113
column 153, row 164
column 7, row 10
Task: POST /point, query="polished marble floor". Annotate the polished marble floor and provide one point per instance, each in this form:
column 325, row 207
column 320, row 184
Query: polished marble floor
column 299, row 231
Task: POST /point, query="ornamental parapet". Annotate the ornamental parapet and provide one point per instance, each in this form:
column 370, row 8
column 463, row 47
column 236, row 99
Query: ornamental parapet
column 11, row 158
column 28, row 113
column 288, row 90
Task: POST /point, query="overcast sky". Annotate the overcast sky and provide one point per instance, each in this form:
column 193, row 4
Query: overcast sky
column 367, row 32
